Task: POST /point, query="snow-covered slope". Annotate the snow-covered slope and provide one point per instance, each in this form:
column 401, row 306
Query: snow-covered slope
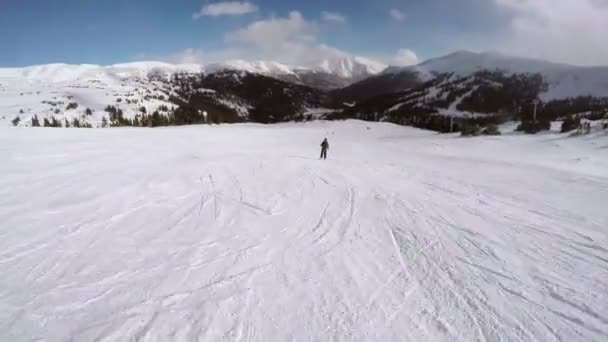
column 239, row 233
column 564, row 80
column 47, row 90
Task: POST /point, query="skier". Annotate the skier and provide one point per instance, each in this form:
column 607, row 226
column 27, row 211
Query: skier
column 324, row 148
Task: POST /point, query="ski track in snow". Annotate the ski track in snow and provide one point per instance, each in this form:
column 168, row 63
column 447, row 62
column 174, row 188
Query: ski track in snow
column 240, row 233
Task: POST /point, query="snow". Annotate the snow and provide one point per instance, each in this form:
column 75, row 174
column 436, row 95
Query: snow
column 242, row 109
column 239, row 232
column 452, row 110
column 396, row 107
column 317, row 113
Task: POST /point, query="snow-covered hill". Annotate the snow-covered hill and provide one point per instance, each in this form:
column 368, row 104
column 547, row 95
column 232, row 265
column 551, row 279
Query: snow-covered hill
column 563, row 80
column 53, row 89
column 239, row 233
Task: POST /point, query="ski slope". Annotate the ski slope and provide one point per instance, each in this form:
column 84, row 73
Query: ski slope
column 239, row 233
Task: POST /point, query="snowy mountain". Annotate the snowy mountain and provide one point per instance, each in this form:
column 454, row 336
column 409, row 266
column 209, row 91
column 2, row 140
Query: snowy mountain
column 232, row 96
column 128, row 94
column 563, row 80
column 462, row 84
column 449, row 100
column 328, row 73
column 350, row 67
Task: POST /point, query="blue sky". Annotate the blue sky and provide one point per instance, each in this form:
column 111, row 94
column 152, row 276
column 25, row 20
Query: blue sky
column 391, row 31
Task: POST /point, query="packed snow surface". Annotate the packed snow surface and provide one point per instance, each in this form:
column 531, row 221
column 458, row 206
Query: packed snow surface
column 240, row 233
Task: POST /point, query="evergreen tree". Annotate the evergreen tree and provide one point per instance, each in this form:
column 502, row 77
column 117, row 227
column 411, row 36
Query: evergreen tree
column 35, row 121
column 156, row 119
column 55, row 122
column 47, row 123
column 76, row 123
column 104, row 122
column 16, row 121
column 72, row 105
column 88, row 111
column 66, row 123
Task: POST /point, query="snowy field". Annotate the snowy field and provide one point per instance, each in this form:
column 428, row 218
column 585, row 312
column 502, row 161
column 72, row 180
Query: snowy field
column 239, row 233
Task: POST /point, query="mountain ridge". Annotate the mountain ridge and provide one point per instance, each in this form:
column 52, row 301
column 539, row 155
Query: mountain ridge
column 266, row 91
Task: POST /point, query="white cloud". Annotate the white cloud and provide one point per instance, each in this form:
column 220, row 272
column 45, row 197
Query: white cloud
column 397, row 14
column 291, row 40
column 572, row 31
column 274, row 32
column 405, row 57
column 333, row 17
column 188, row 56
column 226, row 8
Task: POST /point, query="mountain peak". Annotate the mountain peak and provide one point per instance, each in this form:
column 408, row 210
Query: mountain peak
column 350, row 66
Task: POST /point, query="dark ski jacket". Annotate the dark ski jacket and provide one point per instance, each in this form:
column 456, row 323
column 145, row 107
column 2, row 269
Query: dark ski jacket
column 325, row 145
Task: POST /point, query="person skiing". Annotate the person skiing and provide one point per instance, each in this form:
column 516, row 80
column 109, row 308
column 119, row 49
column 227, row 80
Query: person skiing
column 324, row 148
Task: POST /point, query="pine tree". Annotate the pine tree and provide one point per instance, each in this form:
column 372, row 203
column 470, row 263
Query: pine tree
column 76, row 123
column 47, row 123
column 104, row 122
column 66, row 124
column 156, row 119
column 35, row 121
column 55, row 122
column 88, row 111
column 16, row 121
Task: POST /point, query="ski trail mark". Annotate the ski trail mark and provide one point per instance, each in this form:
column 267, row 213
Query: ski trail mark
column 321, row 218
column 214, row 196
column 202, row 203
